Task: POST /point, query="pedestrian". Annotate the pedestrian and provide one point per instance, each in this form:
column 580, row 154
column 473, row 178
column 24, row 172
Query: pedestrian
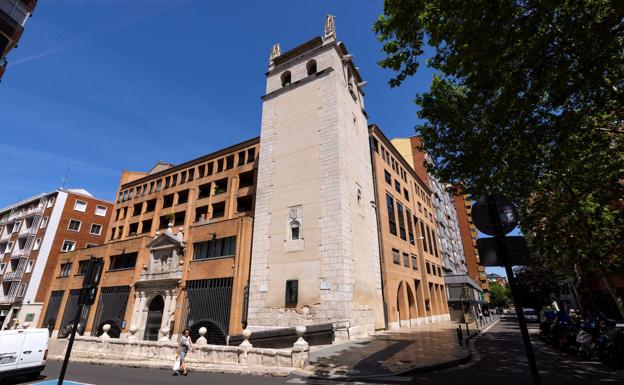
column 184, row 345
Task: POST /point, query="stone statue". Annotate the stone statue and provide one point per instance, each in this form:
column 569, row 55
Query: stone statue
column 330, row 26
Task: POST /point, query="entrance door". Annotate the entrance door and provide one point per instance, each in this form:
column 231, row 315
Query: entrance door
column 154, row 318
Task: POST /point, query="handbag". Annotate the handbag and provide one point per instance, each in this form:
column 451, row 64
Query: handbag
column 176, row 364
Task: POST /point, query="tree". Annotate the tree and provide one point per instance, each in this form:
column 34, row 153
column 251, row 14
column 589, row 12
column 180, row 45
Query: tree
column 527, row 102
column 499, row 295
column 536, row 286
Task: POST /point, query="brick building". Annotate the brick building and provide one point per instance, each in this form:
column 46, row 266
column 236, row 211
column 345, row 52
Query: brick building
column 13, row 16
column 33, row 233
column 411, row 254
column 177, row 251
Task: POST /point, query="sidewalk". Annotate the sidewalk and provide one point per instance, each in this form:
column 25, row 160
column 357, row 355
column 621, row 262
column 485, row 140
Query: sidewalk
column 391, row 353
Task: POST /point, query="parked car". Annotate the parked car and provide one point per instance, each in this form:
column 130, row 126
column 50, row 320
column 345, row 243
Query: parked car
column 23, row 352
column 530, row 315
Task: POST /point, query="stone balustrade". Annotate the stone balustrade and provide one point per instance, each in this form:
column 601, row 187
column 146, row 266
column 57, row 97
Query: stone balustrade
column 133, row 350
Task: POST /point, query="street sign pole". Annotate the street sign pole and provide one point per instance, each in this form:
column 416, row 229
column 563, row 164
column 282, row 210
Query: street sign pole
column 87, row 295
column 505, row 258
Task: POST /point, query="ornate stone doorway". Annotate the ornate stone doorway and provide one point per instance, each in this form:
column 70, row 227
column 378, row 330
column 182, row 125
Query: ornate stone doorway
column 154, row 318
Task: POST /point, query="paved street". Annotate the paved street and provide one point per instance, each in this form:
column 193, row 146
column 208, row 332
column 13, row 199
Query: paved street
column 500, row 359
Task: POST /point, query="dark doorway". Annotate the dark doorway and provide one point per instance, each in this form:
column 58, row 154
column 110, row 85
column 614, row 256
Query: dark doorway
column 154, row 318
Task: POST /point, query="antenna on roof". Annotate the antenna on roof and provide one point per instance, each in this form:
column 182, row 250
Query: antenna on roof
column 65, row 177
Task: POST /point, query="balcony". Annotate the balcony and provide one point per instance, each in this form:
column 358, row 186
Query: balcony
column 17, row 214
column 14, row 13
column 18, row 271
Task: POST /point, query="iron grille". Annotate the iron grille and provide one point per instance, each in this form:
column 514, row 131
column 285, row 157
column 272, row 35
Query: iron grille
column 209, row 302
column 111, row 310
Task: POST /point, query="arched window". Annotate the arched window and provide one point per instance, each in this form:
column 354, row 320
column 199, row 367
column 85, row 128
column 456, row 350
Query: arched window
column 294, row 229
column 285, row 78
column 311, row 67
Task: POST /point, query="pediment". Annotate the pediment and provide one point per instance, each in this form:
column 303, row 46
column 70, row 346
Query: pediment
column 164, row 241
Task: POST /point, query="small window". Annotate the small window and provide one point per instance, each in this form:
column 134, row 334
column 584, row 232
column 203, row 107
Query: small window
column 80, row 206
column 251, row 155
column 22, row 290
column 146, row 226
column 95, row 229
column 241, row 158
column 428, row 267
column 37, row 244
column 44, row 222
column 295, row 228
column 244, row 203
column 246, row 179
column 82, row 267
column 2, row 267
column 396, row 257
column 174, row 180
column 51, row 202
column 65, row 269
column 29, row 266
column 292, row 288
column 210, row 168
column 136, row 209
column 221, row 186
column 9, row 247
column 406, row 194
column 414, row 262
column 133, row 228
column 285, row 77
column 218, row 210
column 311, row 67
column 387, row 177
column 167, row 201
column 406, row 260
column 201, row 171
column 183, row 196
column 100, row 210
column 74, row 225
column 191, row 174
column 397, row 186
column 229, row 162
column 204, row 191
column 219, row 165
column 68, row 246
column 150, row 205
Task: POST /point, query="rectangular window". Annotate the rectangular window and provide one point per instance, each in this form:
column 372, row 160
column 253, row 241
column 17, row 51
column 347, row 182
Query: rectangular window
column 429, row 240
column 292, row 288
column 100, row 211
column 406, row 194
column 9, row 247
column 65, row 269
column 167, row 201
column 167, row 181
column 401, row 221
column 216, row 248
column 2, row 267
column 183, row 196
column 174, row 180
column 218, row 210
column 422, row 234
column 391, row 215
column 29, row 266
column 219, row 165
column 37, row 244
column 191, row 174
column 396, row 257
column 406, row 260
column 210, row 168
column 397, row 186
column 150, row 205
column 22, row 290
column 95, row 229
column 241, row 158
column 74, row 225
column 204, row 191
column 146, row 226
column 388, row 177
column 414, row 262
column 229, row 162
column 428, row 267
column 133, row 228
column 435, row 243
column 123, row 261
column 68, row 246
column 246, row 179
column 251, row 155
column 201, row 171
column 136, row 209
column 439, row 271
column 80, row 206
column 221, row 186
column 82, row 267
column 183, row 177
column 410, row 228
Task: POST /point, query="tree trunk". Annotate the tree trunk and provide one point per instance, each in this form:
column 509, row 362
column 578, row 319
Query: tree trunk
column 616, row 298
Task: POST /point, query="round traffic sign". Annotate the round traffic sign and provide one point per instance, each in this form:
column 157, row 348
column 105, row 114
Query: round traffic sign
column 507, row 215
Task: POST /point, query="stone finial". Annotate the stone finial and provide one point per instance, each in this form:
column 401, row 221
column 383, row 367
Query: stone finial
column 133, row 329
column 165, row 334
column 301, row 344
column 202, row 337
column 246, row 344
column 170, row 228
column 105, row 330
column 275, row 51
column 180, row 234
column 330, row 26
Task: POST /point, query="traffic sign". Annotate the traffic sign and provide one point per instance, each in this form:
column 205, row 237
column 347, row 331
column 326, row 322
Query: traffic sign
column 489, row 251
column 507, row 214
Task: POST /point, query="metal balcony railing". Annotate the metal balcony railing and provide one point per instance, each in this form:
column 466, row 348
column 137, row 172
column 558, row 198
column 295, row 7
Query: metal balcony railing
column 15, row 13
column 18, row 273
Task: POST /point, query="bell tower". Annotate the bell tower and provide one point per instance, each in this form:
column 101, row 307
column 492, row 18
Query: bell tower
column 315, row 255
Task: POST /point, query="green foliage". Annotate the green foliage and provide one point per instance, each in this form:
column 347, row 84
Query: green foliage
column 537, row 286
column 499, row 295
column 527, row 102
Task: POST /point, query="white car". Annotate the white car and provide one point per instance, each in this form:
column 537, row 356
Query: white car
column 530, row 315
column 23, row 352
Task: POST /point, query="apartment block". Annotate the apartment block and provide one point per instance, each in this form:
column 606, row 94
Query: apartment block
column 34, row 234
column 13, row 16
column 177, row 252
column 412, row 263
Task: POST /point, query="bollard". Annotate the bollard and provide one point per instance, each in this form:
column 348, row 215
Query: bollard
column 459, row 336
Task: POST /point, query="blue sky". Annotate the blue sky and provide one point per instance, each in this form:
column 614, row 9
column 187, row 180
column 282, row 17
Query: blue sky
column 99, row 86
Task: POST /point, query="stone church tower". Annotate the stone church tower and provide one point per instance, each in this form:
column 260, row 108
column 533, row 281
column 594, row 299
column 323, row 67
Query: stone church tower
column 315, row 255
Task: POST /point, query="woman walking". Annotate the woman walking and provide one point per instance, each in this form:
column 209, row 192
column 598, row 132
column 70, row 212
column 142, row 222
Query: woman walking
column 184, row 345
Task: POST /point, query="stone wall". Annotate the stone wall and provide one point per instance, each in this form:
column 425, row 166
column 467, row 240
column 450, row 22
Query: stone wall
column 132, row 350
